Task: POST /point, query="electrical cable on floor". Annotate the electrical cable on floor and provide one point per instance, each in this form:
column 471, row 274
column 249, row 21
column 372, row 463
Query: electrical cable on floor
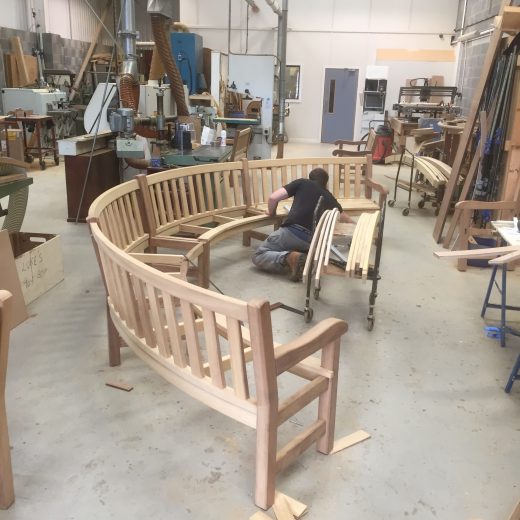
column 98, row 119
column 209, row 279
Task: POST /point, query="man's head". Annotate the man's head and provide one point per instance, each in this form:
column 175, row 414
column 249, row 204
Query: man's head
column 319, row 176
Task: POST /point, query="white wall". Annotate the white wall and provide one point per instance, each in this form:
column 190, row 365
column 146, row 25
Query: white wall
column 69, row 18
column 331, row 33
column 14, row 14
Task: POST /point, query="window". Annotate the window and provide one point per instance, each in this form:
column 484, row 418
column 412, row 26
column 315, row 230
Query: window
column 292, row 82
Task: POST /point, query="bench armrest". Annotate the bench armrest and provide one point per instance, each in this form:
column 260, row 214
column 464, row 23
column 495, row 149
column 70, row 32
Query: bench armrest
column 321, row 335
column 383, row 192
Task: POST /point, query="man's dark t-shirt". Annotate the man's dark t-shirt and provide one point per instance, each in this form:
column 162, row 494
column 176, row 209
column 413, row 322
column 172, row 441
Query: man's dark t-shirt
column 306, row 194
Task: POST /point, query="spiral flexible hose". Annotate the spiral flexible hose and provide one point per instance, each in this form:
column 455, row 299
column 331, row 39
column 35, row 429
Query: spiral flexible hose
column 129, row 91
column 163, row 46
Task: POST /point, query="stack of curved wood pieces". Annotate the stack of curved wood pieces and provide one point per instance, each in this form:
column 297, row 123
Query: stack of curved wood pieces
column 434, row 171
column 318, row 257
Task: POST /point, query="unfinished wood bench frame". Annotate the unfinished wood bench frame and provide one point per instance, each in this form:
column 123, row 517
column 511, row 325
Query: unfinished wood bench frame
column 172, row 209
column 202, row 342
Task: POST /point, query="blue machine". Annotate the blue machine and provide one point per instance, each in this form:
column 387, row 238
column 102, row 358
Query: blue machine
column 187, row 52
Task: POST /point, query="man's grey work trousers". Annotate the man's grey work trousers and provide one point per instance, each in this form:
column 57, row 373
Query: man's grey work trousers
column 271, row 253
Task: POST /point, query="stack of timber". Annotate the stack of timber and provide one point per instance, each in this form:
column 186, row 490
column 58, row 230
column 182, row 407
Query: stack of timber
column 21, row 70
column 487, row 123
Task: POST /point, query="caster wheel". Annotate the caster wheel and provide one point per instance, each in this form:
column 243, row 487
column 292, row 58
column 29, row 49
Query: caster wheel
column 56, row 161
column 317, row 293
column 42, row 165
column 391, row 203
column 370, row 323
column 308, row 314
column 406, row 211
column 29, row 159
column 420, row 204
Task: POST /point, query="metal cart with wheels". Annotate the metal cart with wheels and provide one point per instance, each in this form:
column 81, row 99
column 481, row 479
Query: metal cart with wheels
column 324, row 258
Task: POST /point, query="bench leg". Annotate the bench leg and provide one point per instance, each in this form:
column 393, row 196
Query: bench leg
column 246, row 238
column 203, row 265
column 327, row 400
column 114, row 342
column 266, row 446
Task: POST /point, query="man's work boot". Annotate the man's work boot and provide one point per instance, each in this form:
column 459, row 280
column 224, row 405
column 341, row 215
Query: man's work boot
column 296, row 262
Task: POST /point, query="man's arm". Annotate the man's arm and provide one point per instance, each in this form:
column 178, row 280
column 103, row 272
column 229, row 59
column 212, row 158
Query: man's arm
column 343, row 217
column 274, row 199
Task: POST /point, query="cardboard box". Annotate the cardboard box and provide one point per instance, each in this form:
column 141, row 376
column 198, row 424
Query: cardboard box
column 39, row 262
column 15, row 138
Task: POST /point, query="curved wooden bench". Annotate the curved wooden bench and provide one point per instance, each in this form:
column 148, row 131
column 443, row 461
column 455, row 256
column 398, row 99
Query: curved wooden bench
column 203, row 342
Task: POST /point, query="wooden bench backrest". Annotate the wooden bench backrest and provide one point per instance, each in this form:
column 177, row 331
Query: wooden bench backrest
column 241, row 144
column 119, row 216
column 181, row 335
column 346, row 179
column 187, row 193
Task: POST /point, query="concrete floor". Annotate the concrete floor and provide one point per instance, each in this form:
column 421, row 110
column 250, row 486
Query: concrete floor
column 426, row 383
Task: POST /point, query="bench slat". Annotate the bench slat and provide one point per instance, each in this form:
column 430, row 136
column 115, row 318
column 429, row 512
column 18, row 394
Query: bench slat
column 217, row 182
column 144, row 315
column 130, row 216
column 168, row 201
column 228, row 198
column 213, row 347
column 158, row 326
column 200, row 194
column 174, row 334
column 176, row 201
column 193, row 200
column 181, row 186
column 192, row 339
column 137, row 213
column 159, row 194
column 238, row 365
column 209, row 191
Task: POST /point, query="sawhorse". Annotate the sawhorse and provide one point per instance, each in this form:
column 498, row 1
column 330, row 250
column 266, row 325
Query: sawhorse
column 503, row 329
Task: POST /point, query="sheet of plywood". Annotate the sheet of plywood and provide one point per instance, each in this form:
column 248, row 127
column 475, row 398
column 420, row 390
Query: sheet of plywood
column 415, row 55
column 12, row 76
column 9, row 279
column 16, row 45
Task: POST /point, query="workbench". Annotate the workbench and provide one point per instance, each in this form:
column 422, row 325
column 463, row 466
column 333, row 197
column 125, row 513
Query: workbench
column 201, row 155
column 512, row 238
column 38, row 124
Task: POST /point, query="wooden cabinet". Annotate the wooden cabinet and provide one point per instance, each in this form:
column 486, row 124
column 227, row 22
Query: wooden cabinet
column 104, row 174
